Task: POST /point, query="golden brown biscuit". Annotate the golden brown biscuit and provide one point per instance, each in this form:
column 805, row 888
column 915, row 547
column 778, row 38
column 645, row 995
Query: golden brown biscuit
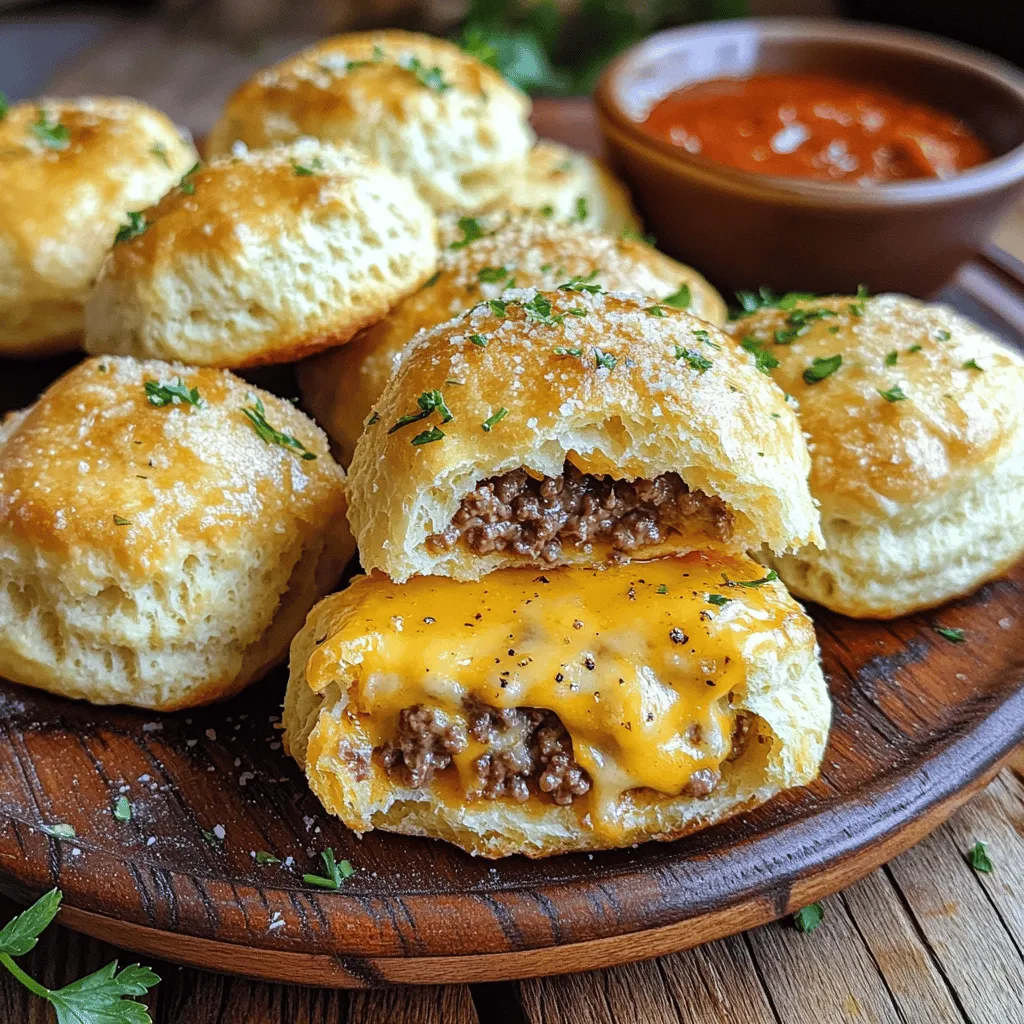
column 419, row 105
column 915, row 424
column 575, row 710
column 157, row 552
column 566, row 426
column 570, row 186
column 70, row 172
column 340, row 387
column 263, row 259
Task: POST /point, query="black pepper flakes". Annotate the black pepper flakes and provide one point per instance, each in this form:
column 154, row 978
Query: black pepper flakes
column 677, row 636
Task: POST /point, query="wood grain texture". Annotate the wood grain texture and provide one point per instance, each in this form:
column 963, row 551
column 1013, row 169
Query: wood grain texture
column 919, row 722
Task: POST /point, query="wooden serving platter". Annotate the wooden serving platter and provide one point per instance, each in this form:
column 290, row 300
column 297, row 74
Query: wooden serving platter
column 920, row 724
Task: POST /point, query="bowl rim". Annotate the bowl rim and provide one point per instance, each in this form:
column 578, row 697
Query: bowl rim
column 993, row 175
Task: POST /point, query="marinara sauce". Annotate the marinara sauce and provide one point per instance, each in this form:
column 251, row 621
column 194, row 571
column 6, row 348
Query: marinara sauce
column 815, row 126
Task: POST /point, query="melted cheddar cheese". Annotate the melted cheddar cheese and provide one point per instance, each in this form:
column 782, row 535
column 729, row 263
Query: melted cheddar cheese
column 640, row 666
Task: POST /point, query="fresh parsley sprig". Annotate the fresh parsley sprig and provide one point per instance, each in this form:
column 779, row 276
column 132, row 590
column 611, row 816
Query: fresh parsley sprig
column 471, row 231
column 429, row 401
column 104, row 997
column 256, row 415
column 680, row 298
column 51, row 134
column 808, row 918
column 172, row 394
column 135, row 226
column 822, row 367
column 335, row 872
column 431, row 78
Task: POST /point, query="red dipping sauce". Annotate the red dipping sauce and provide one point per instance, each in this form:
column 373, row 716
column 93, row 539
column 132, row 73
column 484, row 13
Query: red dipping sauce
column 815, row 126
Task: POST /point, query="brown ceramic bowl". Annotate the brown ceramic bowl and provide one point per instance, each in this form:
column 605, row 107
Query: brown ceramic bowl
column 744, row 229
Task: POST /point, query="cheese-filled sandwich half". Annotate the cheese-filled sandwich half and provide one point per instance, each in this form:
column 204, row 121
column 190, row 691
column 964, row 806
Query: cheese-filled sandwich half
column 915, row 424
column 542, row 712
column 480, row 258
column 575, row 426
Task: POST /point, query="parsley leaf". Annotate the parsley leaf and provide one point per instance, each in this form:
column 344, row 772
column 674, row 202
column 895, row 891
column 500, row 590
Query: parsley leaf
column 479, row 340
column 942, row 335
column 172, row 394
column 972, row 364
column 5, row 106
column 655, row 311
column 159, row 150
column 679, row 299
column 58, row 831
column 821, row 368
column 121, row 521
column 952, row 634
column 892, row 358
column 561, row 350
column 695, row 359
column 471, row 231
column 135, row 226
column 978, row 858
column 765, row 298
column 187, row 186
column 122, row 809
column 770, row 578
column 893, row 394
column 98, row 998
column 262, row 857
column 582, row 209
column 52, row 134
column 432, row 78
column 663, row 588
column 428, row 402
column 718, row 599
column 432, row 280
column 808, row 918
column 492, row 275
column 581, row 283
column 336, row 872
column 605, row 359
column 763, row 359
column 257, row 417
column 316, row 164
column 495, row 417
column 433, row 434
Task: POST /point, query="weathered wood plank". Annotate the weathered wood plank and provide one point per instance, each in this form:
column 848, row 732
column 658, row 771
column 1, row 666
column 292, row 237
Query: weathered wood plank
column 440, row 1004
column 973, row 948
column 903, row 959
column 827, row 975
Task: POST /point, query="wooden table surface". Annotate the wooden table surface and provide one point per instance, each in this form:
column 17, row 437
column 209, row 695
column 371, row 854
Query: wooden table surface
column 924, row 940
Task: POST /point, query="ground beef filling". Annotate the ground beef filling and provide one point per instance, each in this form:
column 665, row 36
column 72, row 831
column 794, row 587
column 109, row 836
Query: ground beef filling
column 537, row 518
column 525, row 745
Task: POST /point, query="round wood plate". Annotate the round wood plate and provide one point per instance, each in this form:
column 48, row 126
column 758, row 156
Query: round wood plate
column 919, row 724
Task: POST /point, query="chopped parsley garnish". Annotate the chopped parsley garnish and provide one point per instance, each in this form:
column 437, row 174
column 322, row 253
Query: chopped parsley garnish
column 375, row 418
column 582, row 209
column 122, row 809
column 978, row 858
column 135, row 226
column 336, row 872
column 256, row 415
column 662, row 589
column 605, row 359
column 547, row 210
column 765, row 298
column 432, row 78
column 694, row 358
column 914, row 348
column 187, row 186
column 972, row 364
column 582, row 283
column 479, row 340
column 52, row 134
column 492, row 275
column 432, row 280
column 121, row 521
column 497, row 307
column 561, row 350
column 5, row 106
column 770, row 578
column 680, row 298
column 171, row 394
column 857, row 308
column 718, row 599
column 262, row 857
column 799, row 323
column 892, row 358
column 951, row 633
column 98, row 998
column 471, row 231
column 655, row 311
column 159, row 150
column 316, row 164
column 821, row 368
column 942, row 335
column 634, row 235
column 538, row 309
column 763, row 359
column 429, row 401
column 496, row 417
column 433, row 434
column 893, row 394
column 808, row 918
column 58, row 831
